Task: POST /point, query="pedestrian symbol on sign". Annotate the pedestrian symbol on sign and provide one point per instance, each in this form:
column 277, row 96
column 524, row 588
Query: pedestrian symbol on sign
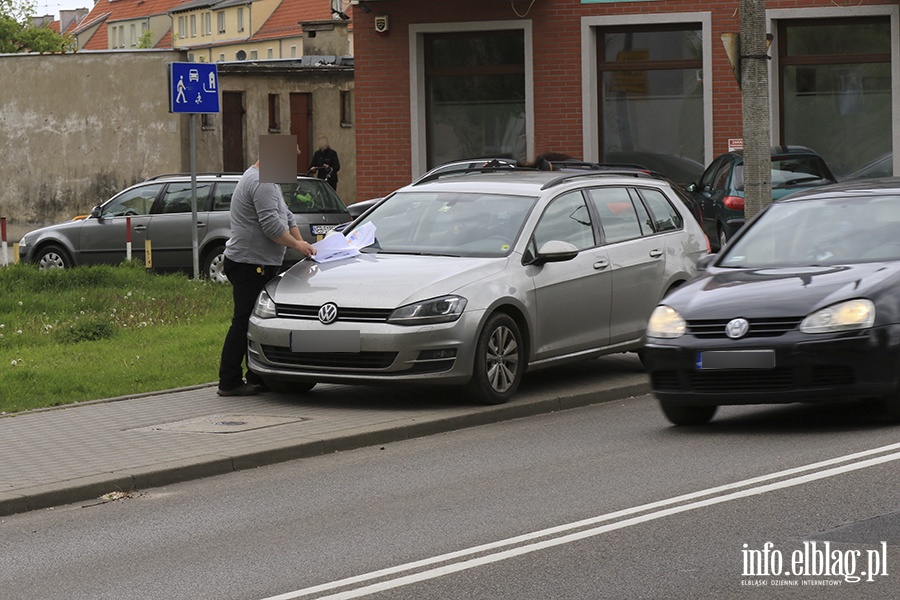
column 180, row 99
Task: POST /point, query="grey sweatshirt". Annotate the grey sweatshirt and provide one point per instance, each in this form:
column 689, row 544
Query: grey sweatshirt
column 258, row 215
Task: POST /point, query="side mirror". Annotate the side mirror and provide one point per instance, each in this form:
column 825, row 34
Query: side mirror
column 555, row 251
column 95, row 212
column 705, row 260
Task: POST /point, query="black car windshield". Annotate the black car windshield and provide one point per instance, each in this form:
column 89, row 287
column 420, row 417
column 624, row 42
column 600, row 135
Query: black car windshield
column 449, row 223
column 792, row 171
column 820, row 232
column 311, row 196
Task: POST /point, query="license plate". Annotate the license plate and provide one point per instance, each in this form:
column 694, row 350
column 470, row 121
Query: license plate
column 321, row 229
column 736, row 359
column 325, row 341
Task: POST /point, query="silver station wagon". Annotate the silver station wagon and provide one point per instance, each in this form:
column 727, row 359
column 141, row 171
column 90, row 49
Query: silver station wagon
column 474, row 278
column 160, row 210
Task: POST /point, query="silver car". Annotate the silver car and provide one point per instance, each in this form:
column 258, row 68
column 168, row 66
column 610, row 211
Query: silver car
column 474, row 279
column 160, row 211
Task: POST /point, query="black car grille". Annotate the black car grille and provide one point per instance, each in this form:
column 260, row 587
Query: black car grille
column 715, row 328
column 752, row 380
column 314, row 360
column 290, row 311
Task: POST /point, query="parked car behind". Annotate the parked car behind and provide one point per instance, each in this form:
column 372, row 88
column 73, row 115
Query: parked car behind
column 160, row 210
column 719, row 195
column 801, row 306
column 475, row 278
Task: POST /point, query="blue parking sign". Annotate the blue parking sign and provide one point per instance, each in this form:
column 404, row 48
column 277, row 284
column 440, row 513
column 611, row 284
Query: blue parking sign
column 193, row 88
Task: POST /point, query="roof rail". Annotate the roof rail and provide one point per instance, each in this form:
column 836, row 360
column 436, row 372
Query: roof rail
column 611, row 172
column 167, row 175
column 488, row 168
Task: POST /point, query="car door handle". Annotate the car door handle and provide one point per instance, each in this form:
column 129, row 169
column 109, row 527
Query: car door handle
column 656, row 253
column 601, row 264
column 200, row 224
column 140, row 228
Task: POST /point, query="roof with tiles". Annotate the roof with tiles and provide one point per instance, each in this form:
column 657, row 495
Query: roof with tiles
column 286, row 19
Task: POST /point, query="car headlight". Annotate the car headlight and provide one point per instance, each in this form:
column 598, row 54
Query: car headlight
column 265, row 306
column 665, row 322
column 844, row 316
column 437, row 310
column 23, row 242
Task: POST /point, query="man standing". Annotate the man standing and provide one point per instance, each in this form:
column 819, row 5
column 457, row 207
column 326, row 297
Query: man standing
column 262, row 228
column 326, row 163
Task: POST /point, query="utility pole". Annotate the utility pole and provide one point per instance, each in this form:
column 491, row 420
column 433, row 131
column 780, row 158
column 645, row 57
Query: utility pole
column 754, row 63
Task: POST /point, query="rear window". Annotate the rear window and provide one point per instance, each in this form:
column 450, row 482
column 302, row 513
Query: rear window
column 792, row 171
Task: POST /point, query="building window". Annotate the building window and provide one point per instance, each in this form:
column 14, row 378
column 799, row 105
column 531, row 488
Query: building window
column 346, row 108
column 270, row 53
column 221, row 58
column 293, row 51
column 220, row 17
column 145, row 26
column 254, row 55
column 475, row 95
column 274, row 113
column 190, row 57
column 240, row 19
column 182, row 32
column 651, row 92
column 121, row 36
column 193, row 25
column 207, row 21
column 132, row 37
column 835, row 77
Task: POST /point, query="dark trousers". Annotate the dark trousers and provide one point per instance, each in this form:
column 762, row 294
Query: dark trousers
column 247, row 281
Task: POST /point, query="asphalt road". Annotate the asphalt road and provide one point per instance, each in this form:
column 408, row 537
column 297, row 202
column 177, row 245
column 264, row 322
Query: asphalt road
column 607, row 501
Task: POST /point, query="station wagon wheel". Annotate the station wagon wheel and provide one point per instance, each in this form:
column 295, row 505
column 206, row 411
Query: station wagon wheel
column 213, row 267
column 688, row 415
column 499, row 361
column 52, row 257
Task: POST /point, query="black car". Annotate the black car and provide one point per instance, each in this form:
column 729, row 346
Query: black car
column 803, row 305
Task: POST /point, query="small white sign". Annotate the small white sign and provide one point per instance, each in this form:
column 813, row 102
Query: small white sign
column 735, row 144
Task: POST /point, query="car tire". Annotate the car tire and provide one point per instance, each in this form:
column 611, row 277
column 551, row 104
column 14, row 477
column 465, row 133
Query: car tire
column 499, row 361
column 213, row 267
column 688, row 415
column 287, row 386
column 53, row 257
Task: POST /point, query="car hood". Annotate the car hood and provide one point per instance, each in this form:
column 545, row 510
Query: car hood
column 380, row 280
column 785, row 292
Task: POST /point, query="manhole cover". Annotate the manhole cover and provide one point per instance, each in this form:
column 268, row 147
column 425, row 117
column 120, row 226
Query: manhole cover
column 222, row 424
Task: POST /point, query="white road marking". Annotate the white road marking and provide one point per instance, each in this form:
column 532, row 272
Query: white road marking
column 566, row 539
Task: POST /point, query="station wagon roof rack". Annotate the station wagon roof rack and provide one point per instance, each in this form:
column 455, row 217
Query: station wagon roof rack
column 637, row 172
column 490, row 167
column 167, row 175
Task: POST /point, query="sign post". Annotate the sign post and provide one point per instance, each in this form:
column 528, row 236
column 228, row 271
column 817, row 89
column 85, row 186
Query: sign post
column 193, row 90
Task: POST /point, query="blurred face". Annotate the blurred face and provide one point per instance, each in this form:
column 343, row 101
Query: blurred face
column 323, row 144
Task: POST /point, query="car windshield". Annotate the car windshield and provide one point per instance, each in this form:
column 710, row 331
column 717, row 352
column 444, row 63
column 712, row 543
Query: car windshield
column 311, row 196
column 820, row 233
column 449, row 223
column 792, row 171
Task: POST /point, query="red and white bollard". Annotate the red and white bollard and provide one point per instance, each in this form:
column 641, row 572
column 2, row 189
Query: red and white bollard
column 3, row 248
column 127, row 238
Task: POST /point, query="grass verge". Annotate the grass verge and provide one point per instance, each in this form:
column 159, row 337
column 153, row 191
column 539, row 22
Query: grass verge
column 98, row 332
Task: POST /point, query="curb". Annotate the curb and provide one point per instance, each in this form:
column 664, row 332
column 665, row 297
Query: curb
column 207, row 465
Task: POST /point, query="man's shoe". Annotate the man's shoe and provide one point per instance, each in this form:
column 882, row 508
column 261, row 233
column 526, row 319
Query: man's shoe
column 242, row 390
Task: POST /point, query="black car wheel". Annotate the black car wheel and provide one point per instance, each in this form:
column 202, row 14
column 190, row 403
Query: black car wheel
column 688, row 415
column 287, row 386
column 52, row 257
column 213, row 266
column 499, row 361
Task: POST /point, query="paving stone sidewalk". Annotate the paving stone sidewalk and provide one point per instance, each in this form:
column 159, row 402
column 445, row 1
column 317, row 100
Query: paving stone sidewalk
column 80, row 452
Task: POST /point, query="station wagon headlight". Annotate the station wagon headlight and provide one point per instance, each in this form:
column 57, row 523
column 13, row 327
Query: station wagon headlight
column 844, row 316
column 665, row 322
column 437, row 310
column 265, row 306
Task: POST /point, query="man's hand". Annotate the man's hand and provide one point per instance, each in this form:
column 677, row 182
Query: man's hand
column 304, row 248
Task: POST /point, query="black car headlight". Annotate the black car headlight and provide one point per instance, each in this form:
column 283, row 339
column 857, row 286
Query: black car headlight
column 265, row 306
column 437, row 310
column 844, row 316
column 665, row 322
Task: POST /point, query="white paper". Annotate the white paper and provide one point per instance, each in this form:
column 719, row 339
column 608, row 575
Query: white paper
column 337, row 246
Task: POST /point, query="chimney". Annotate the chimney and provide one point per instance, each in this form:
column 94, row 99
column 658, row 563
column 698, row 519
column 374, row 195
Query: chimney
column 67, row 17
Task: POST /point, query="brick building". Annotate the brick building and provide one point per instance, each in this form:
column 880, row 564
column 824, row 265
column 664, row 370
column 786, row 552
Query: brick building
column 614, row 80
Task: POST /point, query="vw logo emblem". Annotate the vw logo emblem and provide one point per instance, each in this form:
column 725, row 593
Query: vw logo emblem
column 328, row 313
column 736, row 328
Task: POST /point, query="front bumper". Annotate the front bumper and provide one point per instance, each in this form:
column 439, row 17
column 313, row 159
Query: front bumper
column 440, row 353
column 808, row 368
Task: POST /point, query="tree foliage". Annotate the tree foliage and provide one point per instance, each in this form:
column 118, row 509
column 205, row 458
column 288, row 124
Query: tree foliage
column 18, row 34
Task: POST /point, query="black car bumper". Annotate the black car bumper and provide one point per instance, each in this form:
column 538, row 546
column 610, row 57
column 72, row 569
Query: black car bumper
column 807, row 368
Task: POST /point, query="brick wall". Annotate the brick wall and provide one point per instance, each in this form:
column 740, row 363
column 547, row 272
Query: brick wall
column 382, row 72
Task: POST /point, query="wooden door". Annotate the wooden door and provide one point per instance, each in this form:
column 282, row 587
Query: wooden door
column 233, row 157
column 301, row 117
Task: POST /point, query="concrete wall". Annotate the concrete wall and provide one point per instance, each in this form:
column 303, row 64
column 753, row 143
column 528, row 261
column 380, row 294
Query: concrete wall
column 79, row 127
